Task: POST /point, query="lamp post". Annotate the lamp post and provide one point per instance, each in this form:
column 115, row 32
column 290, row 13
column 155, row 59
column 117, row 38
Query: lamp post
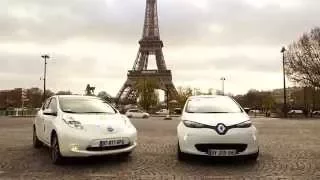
column 45, row 57
column 283, row 50
column 195, row 91
column 223, row 79
column 168, row 117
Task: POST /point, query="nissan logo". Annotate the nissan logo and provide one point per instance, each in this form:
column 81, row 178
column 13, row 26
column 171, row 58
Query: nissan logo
column 221, row 129
column 110, row 129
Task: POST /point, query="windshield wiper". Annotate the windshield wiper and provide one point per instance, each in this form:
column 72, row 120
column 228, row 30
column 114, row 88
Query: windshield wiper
column 211, row 112
column 68, row 111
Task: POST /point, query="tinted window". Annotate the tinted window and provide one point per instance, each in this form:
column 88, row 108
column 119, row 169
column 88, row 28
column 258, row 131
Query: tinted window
column 84, row 105
column 212, row 105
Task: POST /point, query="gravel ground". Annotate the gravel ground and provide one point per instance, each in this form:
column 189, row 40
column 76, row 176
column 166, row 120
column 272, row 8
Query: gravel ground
column 290, row 149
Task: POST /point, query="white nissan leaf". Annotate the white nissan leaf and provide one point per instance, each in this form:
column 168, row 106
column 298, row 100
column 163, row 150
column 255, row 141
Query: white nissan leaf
column 81, row 126
column 216, row 126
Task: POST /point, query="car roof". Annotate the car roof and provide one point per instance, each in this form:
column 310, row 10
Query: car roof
column 207, row 96
column 76, row 96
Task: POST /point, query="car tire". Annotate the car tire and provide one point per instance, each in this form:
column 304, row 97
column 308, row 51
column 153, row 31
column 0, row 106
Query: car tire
column 253, row 157
column 36, row 142
column 129, row 116
column 181, row 155
column 55, row 154
column 145, row 117
column 126, row 154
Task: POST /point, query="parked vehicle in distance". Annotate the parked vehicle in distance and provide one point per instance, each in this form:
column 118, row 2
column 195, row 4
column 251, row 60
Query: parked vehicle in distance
column 177, row 111
column 82, row 126
column 216, row 126
column 297, row 112
column 136, row 113
column 316, row 113
column 162, row 112
column 255, row 111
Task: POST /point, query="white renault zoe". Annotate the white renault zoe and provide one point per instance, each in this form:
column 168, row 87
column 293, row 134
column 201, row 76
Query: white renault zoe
column 81, row 126
column 216, row 126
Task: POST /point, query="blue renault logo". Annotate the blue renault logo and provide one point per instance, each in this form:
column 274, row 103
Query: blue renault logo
column 221, row 129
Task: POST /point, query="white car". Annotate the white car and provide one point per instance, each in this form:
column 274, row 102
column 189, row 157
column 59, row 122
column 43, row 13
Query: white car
column 162, row 112
column 294, row 111
column 136, row 113
column 82, row 126
column 216, row 126
column 316, row 112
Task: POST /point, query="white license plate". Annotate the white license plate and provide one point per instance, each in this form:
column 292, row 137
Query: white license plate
column 218, row 152
column 112, row 142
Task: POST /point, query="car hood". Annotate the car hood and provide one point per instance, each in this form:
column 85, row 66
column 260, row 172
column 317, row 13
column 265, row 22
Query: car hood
column 97, row 121
column 213, row 119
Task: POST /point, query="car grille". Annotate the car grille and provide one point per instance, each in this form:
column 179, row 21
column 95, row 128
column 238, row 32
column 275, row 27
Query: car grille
column 205, row 147
column 107, row 148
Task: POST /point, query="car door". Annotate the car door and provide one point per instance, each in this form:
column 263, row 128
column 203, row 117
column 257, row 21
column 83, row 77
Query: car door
column 39, row 121
column 140, row 114
column 49, row 119
column 134, row 113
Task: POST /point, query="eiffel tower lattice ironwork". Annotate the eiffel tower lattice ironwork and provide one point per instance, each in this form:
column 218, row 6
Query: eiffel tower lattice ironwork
column 150, row 44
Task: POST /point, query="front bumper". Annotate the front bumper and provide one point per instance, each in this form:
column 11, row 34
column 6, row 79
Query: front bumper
column 76, row 143
column 198, row 141
column 75, row 152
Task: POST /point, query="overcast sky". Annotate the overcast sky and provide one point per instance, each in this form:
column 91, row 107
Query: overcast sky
column 96, row 41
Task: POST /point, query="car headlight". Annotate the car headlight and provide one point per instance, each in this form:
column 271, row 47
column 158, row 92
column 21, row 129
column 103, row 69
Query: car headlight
column 191, row 124
column 245, row 124
column 127, row 122
column 72, row 123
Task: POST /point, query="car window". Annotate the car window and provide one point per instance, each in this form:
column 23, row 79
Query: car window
column 133, row 110
column 53, row 105
column 212, row 105
column 46, row 104
column 85, row 105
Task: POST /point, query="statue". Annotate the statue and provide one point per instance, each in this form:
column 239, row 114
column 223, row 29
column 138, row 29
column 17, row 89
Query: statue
column 90, row 90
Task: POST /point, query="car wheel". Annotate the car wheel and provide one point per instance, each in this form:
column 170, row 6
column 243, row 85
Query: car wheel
column 36, row 142
column 253, row 157
column 126, row 154
column 55, row 154
column 145, row 117
column 181, row 155
column 129, row 116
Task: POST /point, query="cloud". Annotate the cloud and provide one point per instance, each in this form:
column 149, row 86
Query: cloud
column 181, row 21
column 96, row 40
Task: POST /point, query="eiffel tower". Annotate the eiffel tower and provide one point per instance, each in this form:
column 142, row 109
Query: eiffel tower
column 150, row 44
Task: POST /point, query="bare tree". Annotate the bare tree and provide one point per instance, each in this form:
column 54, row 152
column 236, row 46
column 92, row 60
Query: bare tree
column 303, row 59
column 148, row 97
column 184, row 93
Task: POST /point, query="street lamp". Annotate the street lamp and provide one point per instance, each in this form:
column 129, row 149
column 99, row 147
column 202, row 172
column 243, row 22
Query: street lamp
column 283, row 50
column 45, row 57
column 223, row 79
column 195, row 91
column 168, row 117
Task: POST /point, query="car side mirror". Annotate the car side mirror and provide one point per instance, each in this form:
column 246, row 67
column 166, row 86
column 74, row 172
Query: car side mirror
column 49, row 112
column 247, row 110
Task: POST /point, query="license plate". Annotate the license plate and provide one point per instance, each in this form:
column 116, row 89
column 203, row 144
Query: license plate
column 111, row 142
column 216, row 152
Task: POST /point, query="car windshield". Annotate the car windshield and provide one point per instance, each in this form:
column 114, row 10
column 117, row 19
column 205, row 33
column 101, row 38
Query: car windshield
column 84, row 105
column 212, row 105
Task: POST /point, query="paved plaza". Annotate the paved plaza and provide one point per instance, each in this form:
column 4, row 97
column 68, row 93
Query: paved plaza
column 290, row 149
